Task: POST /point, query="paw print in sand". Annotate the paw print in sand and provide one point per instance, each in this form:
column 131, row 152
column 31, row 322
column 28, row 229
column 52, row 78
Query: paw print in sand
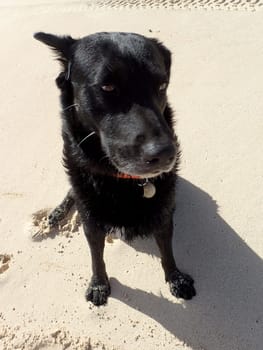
column 40, row 226
column 4, row 262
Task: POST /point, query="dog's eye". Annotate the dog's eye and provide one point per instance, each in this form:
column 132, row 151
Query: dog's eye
column 163, row 86
column 108, row 88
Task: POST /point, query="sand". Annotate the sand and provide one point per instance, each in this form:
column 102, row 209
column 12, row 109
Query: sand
column 216, row 90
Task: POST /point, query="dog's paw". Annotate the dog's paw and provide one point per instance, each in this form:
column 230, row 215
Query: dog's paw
column 56, row 216
column 181, row 285
column 98, row 292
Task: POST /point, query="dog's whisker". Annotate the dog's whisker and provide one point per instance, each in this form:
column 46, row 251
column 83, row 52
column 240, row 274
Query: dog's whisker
column 68, row 107
column 86, row 137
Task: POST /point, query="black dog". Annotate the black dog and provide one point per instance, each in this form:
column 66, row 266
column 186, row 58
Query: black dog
column 120, row 149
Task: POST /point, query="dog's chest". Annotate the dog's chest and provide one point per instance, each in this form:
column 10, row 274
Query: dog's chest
column 120, row 203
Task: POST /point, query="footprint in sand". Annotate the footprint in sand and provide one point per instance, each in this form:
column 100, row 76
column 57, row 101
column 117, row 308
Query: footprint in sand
column 4, row 262
column 40, row 228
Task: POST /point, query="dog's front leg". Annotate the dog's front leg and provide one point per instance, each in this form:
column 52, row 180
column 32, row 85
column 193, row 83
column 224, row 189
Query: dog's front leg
column 62, row 210
column 99, row 287
column 181, row 285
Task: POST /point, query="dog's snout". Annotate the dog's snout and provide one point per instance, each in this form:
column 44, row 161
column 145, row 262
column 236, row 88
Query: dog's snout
column 159, row 155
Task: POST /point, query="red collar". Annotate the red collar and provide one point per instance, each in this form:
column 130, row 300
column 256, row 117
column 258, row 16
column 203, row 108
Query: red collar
column 127, row 176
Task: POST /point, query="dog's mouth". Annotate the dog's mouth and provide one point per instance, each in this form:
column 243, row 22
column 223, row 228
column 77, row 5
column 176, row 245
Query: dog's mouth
column 142, row 160
column 143, row 170
column 148, row 175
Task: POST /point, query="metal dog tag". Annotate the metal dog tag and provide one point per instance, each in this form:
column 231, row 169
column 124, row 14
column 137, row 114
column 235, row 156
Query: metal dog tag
column 149, row 190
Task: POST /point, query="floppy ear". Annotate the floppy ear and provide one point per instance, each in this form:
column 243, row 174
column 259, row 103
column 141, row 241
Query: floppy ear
column 62, row 45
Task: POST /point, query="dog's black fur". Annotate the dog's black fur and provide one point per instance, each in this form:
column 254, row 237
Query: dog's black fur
column 113, row 90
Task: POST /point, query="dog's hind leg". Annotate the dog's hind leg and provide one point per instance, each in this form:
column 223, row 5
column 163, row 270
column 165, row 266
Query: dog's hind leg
column 62, row 210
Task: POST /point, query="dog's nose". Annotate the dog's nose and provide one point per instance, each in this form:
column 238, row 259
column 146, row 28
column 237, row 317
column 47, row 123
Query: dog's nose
column 159, row 155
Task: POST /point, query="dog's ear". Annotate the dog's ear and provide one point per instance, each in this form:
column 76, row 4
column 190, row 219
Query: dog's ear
column 62, row 45
column 165, row 53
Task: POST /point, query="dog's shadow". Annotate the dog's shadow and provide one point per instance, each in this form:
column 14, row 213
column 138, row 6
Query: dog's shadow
column 227, row 313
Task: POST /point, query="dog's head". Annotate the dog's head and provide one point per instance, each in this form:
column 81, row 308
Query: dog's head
column 119, row 83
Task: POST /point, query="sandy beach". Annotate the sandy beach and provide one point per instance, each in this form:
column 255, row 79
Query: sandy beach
column 216, row 90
